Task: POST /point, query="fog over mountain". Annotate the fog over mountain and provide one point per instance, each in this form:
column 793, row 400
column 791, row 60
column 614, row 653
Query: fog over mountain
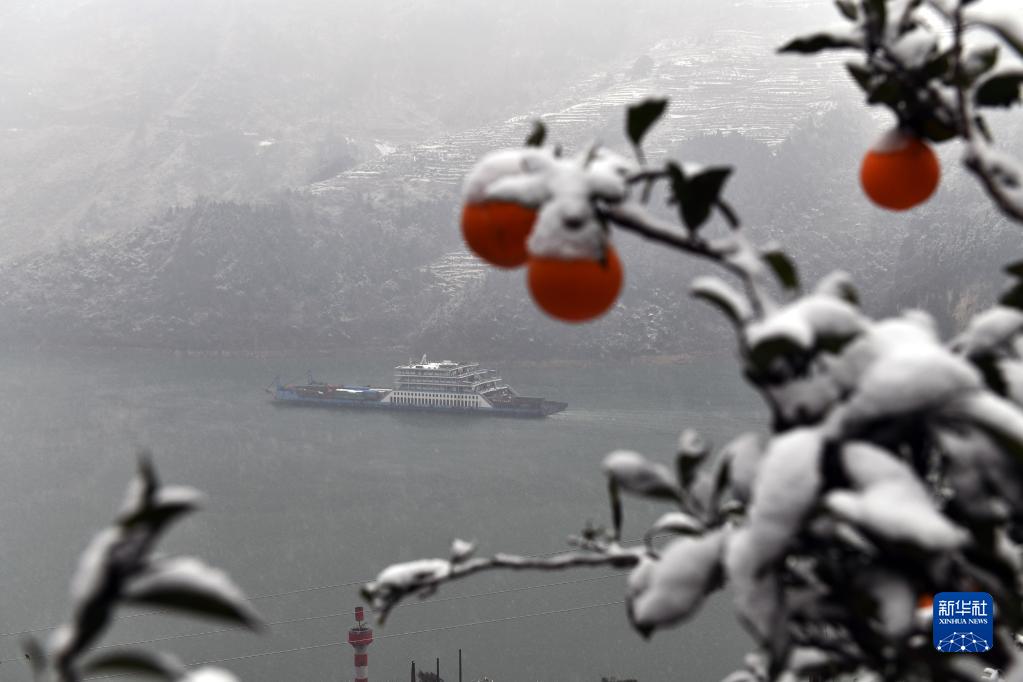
column 260, row 176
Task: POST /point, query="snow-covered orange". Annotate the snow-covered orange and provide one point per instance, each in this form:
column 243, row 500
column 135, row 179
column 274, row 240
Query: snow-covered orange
column 575, row 290
column 496, row 231
column 901, row 171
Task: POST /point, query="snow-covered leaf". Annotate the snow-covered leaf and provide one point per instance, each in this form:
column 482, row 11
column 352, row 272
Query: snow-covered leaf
column 838, row 284
column 1006, row 26
column 669, row 590
column 890, row 501
column 722, row 296
column 907, row 380
column 1000, row 89
column 677, row 522
column 210, row 674
column 998, row 418
column 411, row 574
column 636, row 474
column 462, row 550
column 93, row 565
column 989, row 330
column 785, row 492
column 187, row 584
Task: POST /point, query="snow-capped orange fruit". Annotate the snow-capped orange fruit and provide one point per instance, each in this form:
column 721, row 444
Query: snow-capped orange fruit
column 901, row 171
column 496, row 231
column 575, row 290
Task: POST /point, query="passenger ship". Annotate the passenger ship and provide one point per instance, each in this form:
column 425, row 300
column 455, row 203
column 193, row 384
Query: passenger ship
column 435, row 386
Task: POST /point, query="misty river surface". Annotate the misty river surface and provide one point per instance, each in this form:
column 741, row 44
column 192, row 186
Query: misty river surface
column 305, row 503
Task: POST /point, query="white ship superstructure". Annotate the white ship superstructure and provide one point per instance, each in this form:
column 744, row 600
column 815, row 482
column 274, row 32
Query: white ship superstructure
column 448, row 384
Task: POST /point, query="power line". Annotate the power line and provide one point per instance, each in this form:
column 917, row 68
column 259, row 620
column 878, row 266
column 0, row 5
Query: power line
column 291, row 621
column 274, row 595
column 399, row 634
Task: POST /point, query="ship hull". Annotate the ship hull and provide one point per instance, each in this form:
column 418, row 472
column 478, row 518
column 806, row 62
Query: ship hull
column 284, row 397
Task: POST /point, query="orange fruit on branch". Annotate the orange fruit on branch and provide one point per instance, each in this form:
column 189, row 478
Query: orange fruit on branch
column 575, row 290
column 496, row 231
column 901, row 171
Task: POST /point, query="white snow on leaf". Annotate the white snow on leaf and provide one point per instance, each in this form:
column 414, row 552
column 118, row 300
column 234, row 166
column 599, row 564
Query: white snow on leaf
column 667, row 591
column 808, row 320
column 908, row 379
column 1012, row 373
column 915, row 48
column 802, row 662
column 995, row 416
column 567, row 226
column 500, row 164
column 210, row 674
column 890, row 501
column 411, row 574
column 786, row 489
column 692, row 445
column 610, row 161
column 527, row 190
column 677, row 522
column 895, row 599
column 462, row 549
column 636, row 474
column 989, row 331
column 837, row 284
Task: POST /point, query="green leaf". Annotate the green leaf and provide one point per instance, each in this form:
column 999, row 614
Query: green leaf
column 783, row 266
column 187, row 584
column 936, row 130
column 819, row 41
column 1013, row 298
column 887, row 91
column 848, row 9
column 134, row 662
column 700, row 194
column 1001, row 90
column 939, row 66
column 863, row 76
column 763, row 355
column 539, row 134
column 640, row 117
column 1015, row 269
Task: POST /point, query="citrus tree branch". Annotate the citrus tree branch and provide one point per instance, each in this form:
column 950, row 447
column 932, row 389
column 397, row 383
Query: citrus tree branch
column 424, row 577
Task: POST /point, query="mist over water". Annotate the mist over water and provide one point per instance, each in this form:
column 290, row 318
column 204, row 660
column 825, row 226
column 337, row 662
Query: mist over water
column 304, row 498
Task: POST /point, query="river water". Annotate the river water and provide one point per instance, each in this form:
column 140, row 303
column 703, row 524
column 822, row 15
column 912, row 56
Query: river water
column 307, row 502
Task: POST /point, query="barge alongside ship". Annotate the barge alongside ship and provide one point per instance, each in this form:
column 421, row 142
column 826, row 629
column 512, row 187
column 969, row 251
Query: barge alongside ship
column 431, row 386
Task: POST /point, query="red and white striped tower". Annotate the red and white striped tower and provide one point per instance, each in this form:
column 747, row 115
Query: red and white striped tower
column 360, row 637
